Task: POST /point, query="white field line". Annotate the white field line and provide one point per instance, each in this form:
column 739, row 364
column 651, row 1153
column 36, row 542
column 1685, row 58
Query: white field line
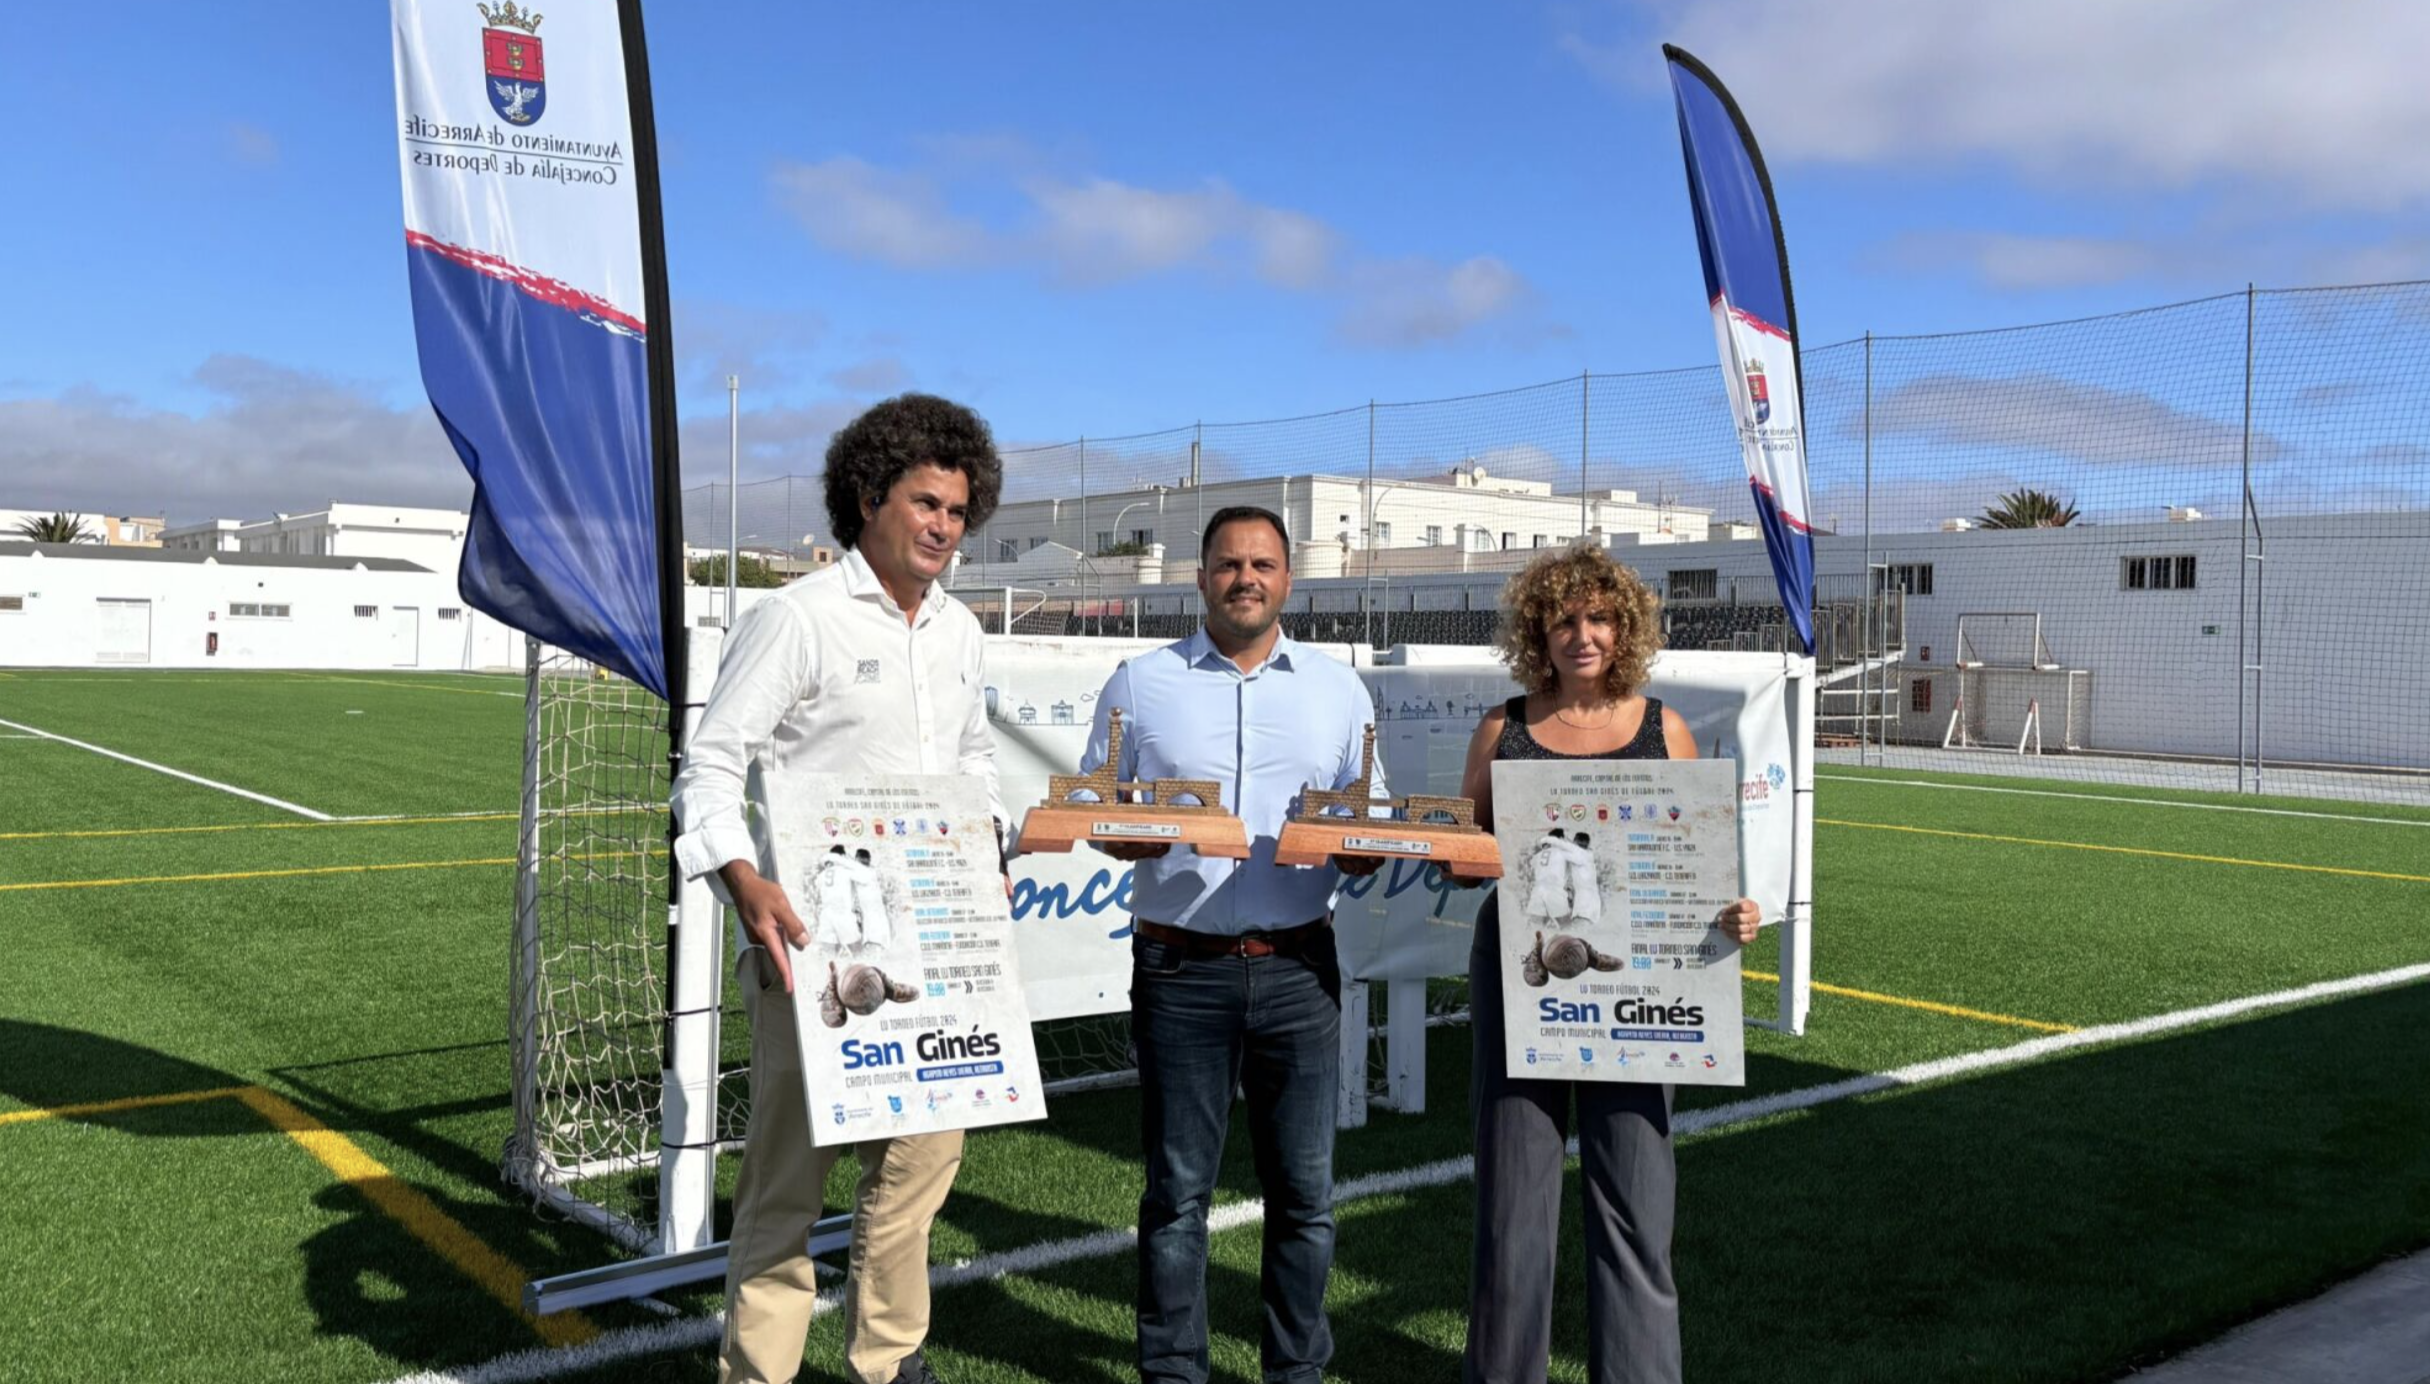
column 425, row 816
column 701, row 1333
column 278, row 803
column 2130, row 802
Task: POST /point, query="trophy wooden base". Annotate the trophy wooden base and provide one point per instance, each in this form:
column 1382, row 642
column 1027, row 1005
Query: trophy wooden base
column 1468, row 851
column 1057, row 827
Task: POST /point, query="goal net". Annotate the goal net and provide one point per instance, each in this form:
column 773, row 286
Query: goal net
column 589, row 994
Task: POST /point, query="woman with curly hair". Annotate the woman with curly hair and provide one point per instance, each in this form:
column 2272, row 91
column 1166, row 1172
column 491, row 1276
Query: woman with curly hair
column 1579, row 632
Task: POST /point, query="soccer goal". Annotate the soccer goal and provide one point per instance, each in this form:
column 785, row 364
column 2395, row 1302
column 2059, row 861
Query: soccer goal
column 2012, row 695
column 590, row 1007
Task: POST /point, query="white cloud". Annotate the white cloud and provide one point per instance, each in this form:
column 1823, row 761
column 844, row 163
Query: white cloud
column 280, row 439
column 2025, row 262
column 876, row 375
column 277, row 439
column 1095, row 231
column 1415, row 302
column 2068, row 418
column 761, row 347
column 252, row 144
column 2315, row 103
column 870, row 213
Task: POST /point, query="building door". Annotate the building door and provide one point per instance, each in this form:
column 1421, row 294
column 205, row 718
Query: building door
column 122, row 631
column 405, row 636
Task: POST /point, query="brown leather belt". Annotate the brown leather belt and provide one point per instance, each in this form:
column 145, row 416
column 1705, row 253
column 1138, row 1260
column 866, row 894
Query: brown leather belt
column 1289, row 941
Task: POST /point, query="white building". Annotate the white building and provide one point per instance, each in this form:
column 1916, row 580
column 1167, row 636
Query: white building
column 1465, row 510
column 432, row 538
column 114, row 530
column 84, row 605
column 208, row 536
column 2151, row 612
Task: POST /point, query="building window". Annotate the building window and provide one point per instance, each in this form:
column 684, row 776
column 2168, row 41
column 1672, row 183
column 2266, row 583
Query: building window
column 366, row 612
column 1919, row 695
column 2173, row 573
column 1007, row 550
column 1695, row 583
column 1434, row 535
column 1105, row 539
column 707, row 622
column 1541, row 540
column 12, row 603
column 1914, row 578
column 255, row 610
column 1036, row 543
column 450, row 612
column 1383, row 533
column 1509, row 540
column 1143, row 537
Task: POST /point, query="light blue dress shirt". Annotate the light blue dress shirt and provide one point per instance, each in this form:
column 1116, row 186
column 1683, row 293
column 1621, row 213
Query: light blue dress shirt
column 1189, row 712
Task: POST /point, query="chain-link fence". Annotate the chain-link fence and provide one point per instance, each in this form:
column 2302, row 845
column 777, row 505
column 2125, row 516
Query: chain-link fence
column 2180, row 546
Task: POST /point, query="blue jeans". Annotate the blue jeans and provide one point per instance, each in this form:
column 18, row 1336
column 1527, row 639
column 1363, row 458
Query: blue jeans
column 1271, row 1027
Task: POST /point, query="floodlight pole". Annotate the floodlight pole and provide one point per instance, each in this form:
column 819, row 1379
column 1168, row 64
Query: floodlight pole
column 733, row 490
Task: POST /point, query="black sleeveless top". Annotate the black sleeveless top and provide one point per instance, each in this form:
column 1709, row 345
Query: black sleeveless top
column 1518, row 743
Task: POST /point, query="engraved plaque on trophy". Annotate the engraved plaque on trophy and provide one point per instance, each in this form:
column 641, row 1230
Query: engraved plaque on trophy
column 1442, row 831
column 1181, row 812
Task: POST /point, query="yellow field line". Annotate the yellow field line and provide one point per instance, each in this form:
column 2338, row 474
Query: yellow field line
column 104, row 1107
column 414, row 686
column 305, row 871
column 405, row 1204
column 310, row 826
column 421, row 1217
column 2133, row 850
column 1933, row 1006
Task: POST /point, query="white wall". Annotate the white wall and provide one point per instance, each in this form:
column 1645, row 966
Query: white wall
column 1335, row 510
column 60, row 625
column 2343, row 622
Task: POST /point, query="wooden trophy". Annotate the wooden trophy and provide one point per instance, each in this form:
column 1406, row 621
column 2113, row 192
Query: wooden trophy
column 1331, row 822
column 1185, row 812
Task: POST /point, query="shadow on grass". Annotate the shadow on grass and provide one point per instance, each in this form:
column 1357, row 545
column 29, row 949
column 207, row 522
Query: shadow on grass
column 2063, row 1221
column 47, row 1067
column 366, row 1275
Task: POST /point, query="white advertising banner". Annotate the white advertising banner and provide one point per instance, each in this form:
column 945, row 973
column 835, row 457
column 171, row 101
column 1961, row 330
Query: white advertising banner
column 1613, row 872
column 1071, row 912
column 909, row 998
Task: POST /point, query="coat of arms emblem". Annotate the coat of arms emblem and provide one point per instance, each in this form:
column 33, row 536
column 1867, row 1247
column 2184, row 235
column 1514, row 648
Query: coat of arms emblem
column 510, row 55
column 1759, row 393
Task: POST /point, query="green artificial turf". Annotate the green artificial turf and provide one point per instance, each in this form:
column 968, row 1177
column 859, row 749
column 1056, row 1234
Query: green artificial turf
column 2063, row 1220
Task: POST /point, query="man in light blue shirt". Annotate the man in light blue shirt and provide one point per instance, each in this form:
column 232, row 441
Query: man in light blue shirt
column 1235, row 982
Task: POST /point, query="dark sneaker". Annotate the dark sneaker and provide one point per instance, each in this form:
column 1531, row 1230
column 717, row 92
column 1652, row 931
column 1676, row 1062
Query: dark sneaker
column 914, row 1370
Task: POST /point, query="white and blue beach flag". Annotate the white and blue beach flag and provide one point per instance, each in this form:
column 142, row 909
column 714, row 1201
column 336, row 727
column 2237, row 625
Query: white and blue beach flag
column 1746, row 280
column 538, row 270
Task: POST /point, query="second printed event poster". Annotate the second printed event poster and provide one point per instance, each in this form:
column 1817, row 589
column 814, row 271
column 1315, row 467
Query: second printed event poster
column 908, row 999
column 1612, row 874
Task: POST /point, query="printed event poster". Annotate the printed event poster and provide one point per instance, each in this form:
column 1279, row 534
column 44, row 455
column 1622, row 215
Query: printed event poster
column 908, row 999
column 1613, row 872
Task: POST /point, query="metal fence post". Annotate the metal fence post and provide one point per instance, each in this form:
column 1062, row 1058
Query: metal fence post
column 1585, row 395
column 1366, row 598
column 1872, row 704
column 2250, row 561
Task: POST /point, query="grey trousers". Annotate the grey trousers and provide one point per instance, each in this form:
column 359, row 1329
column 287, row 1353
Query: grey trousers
column 1631, row 1182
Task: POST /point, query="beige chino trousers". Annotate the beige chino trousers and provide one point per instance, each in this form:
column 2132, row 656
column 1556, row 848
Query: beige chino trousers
column 770, row 1284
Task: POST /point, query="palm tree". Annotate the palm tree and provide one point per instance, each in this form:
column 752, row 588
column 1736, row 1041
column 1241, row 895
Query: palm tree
column 56, row 528
column 2029, row 509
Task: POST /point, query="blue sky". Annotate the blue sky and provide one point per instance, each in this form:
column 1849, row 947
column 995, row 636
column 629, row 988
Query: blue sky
column 1107, row 220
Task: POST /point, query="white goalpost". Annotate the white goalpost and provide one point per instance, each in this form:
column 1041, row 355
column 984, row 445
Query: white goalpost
column 2013, row 694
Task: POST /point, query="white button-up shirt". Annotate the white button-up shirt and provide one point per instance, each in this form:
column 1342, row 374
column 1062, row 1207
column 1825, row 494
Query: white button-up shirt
column 827, row 677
